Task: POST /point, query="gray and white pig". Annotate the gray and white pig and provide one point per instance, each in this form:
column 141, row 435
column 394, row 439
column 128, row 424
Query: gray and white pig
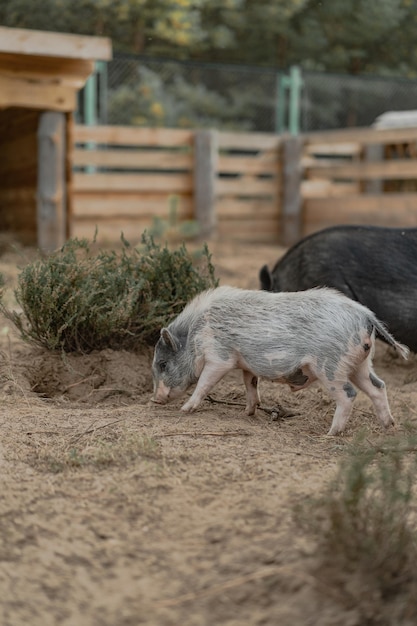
column 374, row 265
column 293, row 338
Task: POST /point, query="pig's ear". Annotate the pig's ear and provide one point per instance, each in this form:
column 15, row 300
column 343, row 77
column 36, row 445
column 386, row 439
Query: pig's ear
column 169, row 339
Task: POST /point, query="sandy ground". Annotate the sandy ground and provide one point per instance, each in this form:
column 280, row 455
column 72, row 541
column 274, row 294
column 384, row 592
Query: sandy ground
column 117, row 512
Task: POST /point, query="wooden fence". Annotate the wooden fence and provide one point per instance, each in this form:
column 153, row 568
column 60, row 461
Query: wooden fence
column 248, row 186
column 124, row 178
column 359, row 176
column 255, row 187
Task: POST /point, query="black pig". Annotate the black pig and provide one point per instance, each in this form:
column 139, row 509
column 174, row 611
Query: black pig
column 373, row 265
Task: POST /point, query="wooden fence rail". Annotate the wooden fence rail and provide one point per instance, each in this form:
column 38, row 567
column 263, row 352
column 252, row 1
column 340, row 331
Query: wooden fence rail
column 254, row 187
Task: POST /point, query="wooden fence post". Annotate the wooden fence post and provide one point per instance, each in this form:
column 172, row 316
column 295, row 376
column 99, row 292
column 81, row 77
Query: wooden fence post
column 374, row 153
column 51, row 200
column 291, row 215
column 205, row 174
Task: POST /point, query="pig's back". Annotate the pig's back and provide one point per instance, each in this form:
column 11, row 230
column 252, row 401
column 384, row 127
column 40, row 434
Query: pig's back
column 265, row 318
column 275, row 333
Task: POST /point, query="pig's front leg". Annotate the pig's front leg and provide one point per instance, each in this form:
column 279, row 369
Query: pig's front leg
column 211, row 374
column 252, row 394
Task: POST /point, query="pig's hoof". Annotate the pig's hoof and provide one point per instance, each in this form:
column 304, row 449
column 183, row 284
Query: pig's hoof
column 154, row 401
column 334, row 432
column 188, row 408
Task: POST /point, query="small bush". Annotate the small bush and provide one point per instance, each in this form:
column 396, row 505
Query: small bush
column 77, row 300
column 366, row 533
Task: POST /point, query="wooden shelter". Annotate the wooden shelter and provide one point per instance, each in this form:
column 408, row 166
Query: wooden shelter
column 40, row 76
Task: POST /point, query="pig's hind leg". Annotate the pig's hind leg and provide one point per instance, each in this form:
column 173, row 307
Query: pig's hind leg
column 211, row 374
column 367, row 381
column 252, row 393
column 344, row 394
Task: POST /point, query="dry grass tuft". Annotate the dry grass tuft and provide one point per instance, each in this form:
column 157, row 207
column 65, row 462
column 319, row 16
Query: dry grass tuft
column 366, row 532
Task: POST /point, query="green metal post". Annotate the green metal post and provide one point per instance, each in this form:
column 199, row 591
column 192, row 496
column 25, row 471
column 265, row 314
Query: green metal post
column 288, row 107
column 280, row 103
column 90, row 100
column 90, row 110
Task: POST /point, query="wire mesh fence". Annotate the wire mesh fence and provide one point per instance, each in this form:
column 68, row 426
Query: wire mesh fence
column 156, row 92
column 340, row 101
column 173, row 94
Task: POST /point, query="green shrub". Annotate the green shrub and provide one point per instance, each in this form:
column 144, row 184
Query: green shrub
column 77, row 300
column 366, row 533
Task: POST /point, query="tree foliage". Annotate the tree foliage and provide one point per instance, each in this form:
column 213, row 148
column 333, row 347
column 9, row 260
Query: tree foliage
column 353, row 36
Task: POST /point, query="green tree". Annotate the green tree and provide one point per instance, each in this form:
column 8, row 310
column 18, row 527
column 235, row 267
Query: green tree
column 340, row 35
column 355, row 36
column 252, row 31
column 138, row 26
column 346, row 36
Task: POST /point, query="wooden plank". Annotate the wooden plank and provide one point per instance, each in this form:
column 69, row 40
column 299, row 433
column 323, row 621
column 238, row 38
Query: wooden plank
column 131, row 206
column 362, row 135
column 265, row 163
column 396, row 169
column 364, row 203
column 387, row 218
column 171, row 183
column 321, row 188
column 338, row 149
column 37, row 95
column 131, row 159
column 70, row 71
column 51, row 207
column 251, row 224
column 255, row 209
column 109, row 231
column 249, row 231
column 248, row 141
column 307, row 162
column 244, row 239
column 247, row 186
column 131, row 136
column 27, row 42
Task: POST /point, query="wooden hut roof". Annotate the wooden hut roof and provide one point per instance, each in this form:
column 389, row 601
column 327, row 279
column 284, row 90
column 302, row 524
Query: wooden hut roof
column 44, row 70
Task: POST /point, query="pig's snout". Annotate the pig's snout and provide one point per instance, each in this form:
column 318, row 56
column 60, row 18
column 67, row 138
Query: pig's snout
column 161, row 394
column 164, row 394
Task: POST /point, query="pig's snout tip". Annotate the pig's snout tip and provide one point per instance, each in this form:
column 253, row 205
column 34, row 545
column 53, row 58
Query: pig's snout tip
column 161, row 394
column 159, row 400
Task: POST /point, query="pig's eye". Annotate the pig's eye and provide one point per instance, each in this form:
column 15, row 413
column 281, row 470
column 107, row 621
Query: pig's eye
column 162, row 365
